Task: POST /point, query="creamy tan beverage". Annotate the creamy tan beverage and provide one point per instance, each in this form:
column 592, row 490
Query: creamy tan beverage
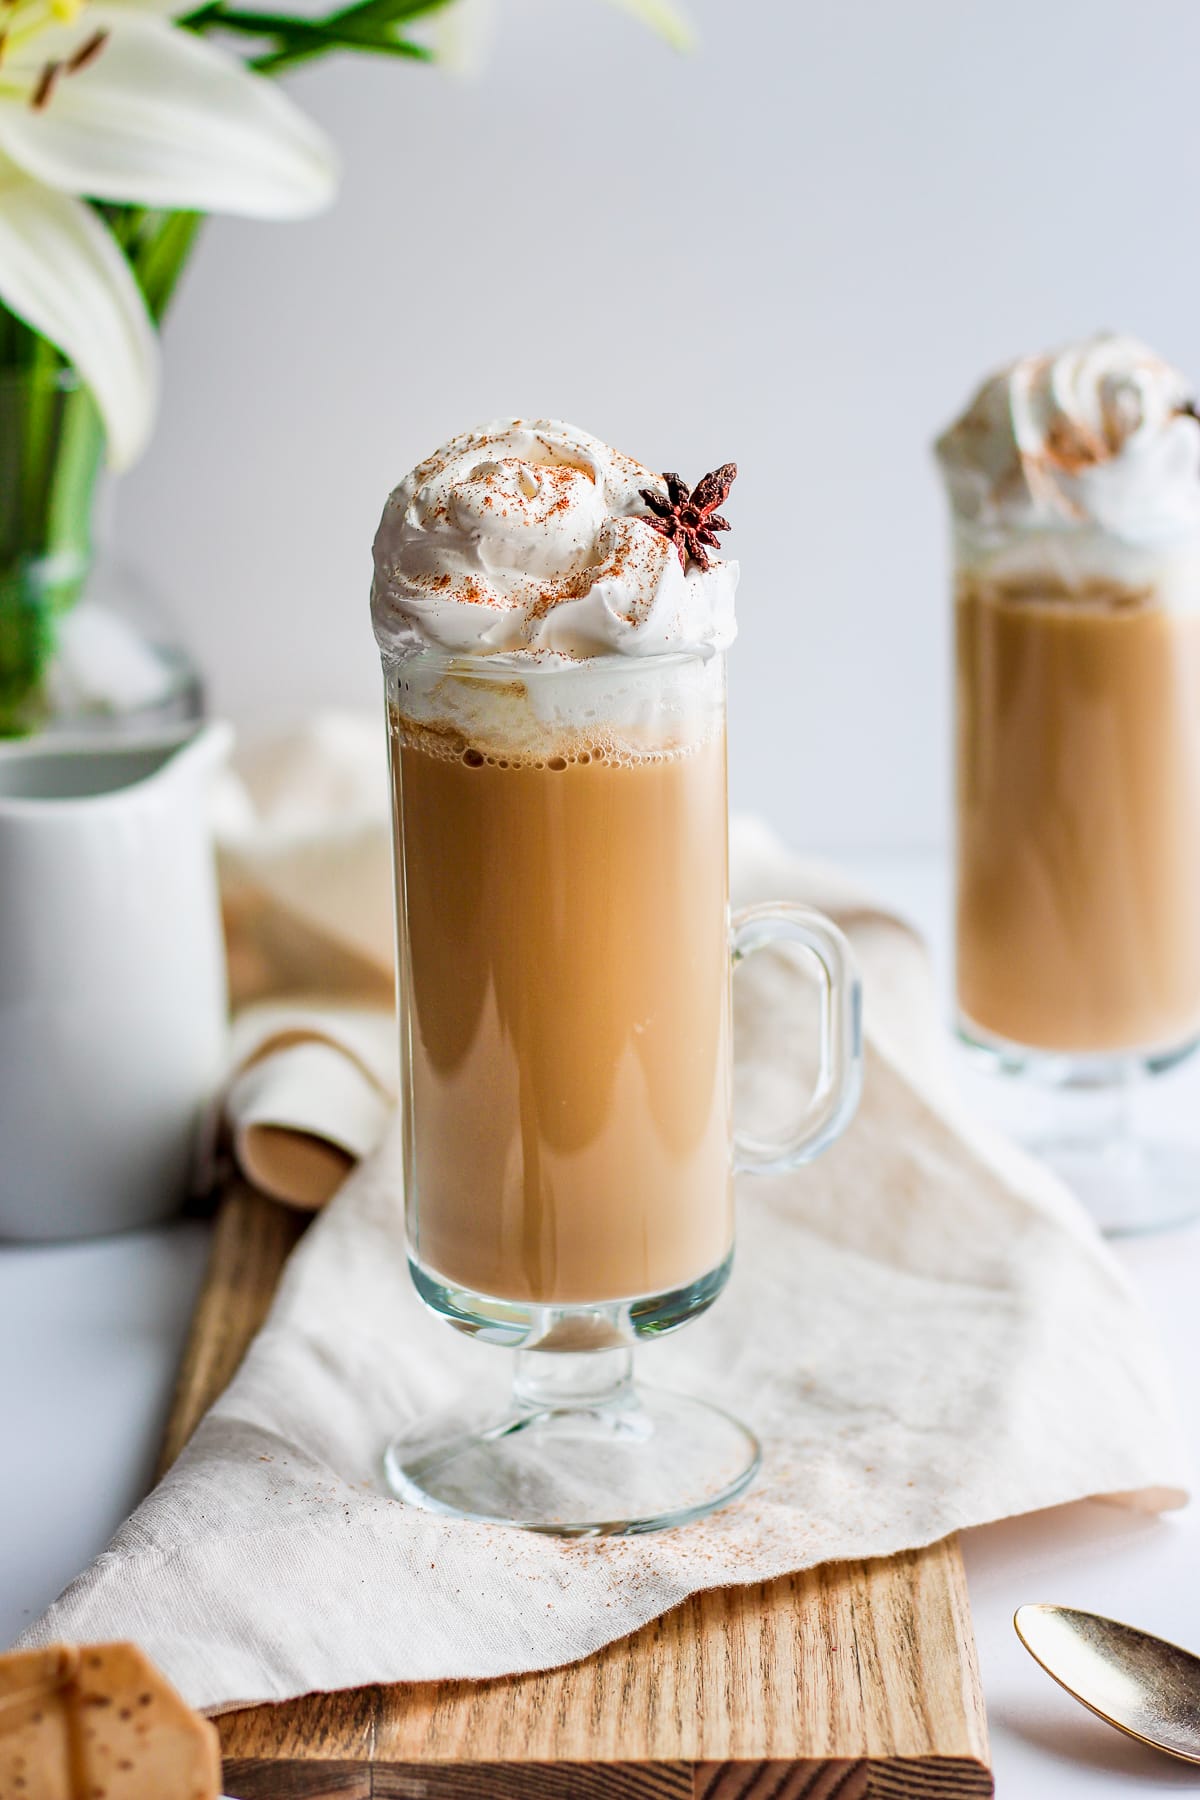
column 565, row 984
column 1075, row 483
column 552, row 630
column 1078, row 822
column 556, row 704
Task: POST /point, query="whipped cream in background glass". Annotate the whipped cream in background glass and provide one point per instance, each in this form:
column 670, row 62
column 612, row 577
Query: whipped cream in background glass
column 1080, row 468
column 528, row 543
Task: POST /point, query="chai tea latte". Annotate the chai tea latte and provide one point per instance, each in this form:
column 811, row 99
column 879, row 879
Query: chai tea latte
column 1074, row 481
column 1078, row 821
column 553, row 628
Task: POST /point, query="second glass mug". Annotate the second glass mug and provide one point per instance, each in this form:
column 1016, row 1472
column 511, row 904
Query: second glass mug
column 1078, row 871
column 565, row 951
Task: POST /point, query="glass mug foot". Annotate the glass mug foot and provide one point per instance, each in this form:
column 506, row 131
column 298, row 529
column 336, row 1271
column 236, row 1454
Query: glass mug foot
column 1076, row 1116
column 1129, row 1185
column 578, row 1451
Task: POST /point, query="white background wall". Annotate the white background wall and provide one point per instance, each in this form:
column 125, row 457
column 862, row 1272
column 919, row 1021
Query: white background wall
column 799, row 248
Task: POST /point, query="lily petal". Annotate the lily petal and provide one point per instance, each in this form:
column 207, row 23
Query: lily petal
column 162, row 118
column 169, row 9
column 664, row 17
column 166, row 9
column 61, row 271
column 461, row 36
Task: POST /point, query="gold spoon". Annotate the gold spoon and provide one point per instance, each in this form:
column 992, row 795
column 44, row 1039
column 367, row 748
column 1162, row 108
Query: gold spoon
column 1147, row 1688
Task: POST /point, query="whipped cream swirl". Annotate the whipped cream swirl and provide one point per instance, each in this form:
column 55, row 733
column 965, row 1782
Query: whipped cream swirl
column 530, row 538
column 1084, row 462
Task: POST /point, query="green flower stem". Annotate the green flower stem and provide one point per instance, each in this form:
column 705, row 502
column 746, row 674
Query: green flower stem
column 51, row 447
column 157, row 245
column 51, row 450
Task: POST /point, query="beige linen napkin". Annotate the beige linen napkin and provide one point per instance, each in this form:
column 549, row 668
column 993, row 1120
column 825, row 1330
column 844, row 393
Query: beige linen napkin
column 305, row 859
column 312, row 1088
column 922, row 1327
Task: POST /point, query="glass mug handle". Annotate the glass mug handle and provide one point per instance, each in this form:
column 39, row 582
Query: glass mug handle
column 839, row 1074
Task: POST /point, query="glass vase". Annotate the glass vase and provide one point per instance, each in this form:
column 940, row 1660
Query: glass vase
column 85, row 649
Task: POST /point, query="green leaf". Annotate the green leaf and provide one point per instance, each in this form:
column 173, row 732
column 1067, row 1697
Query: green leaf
column 370, row 26
column 296, row 40
column 394, row 9
column 379, row 11
column 216, row 16
column 298, row 47
column 203, row 18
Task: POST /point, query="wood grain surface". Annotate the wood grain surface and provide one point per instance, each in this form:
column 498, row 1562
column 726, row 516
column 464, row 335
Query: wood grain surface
column 838, row 1683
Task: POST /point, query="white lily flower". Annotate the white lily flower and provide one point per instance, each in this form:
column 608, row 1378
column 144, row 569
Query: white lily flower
column 112, row 101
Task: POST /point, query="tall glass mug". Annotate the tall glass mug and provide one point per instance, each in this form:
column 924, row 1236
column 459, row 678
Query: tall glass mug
column 565, row 949
column 1078, row 757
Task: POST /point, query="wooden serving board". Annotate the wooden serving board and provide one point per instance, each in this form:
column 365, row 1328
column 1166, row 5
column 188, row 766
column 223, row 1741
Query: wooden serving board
column 843, row 1682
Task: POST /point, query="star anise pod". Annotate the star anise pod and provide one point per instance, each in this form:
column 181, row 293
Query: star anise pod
column 690, row 517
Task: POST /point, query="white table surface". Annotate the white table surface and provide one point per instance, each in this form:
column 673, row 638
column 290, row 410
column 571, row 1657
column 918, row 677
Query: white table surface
column 91, row 1334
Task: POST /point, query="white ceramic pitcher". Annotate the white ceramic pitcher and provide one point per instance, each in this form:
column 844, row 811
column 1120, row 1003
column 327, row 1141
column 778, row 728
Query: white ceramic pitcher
column 112, row 980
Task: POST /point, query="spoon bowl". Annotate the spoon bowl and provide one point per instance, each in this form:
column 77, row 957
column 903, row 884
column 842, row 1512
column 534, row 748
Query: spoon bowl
column 1139, row 1683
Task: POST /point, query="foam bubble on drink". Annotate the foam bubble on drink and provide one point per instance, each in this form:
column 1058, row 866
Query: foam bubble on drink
column 558, row 712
